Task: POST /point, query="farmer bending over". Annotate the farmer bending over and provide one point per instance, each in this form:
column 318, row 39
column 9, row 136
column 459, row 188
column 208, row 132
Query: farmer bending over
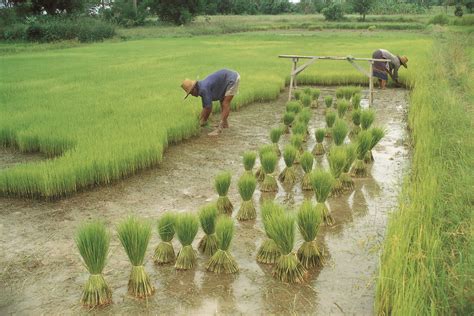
column 219, row 86
column 381, row 69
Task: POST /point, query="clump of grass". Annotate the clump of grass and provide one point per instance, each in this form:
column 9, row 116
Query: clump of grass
column 377, row 134
column 298, row 94
column 288, row 119
column 247, row 185
column 300, row 128
column 269, row 161
column 330, row 119
column 288, row 268
column 222, row 184
column 339, row 93
column 187, row 226
column 164, row 252
column 296, row 140
column 367, row 117
column 364, row 140
column 339, row 132
column 328, row 101
column 288, row 175
column 293, row 106
column 308, row 220
column 306, row 100
column 222, row 261
column 347, row 182
column 259, row 173
column 307, row 91
column 304, row 116
column 275, row 135
column 134, row 235
column 318, row 149
column 207, row 218
column 342, row 107
column 249, row 158
column 337, row 161
column 92, row 241
column 268, row 252
column 315, row 93
column 355, row 101
column 356, row 121
column 306, row 161
column 323, row 183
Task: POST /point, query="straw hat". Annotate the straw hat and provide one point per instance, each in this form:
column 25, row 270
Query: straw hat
column 188, row 86
column 403, row 61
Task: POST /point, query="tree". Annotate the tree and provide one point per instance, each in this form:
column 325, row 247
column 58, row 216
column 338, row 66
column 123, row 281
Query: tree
column 362, row 7
column 175, row 11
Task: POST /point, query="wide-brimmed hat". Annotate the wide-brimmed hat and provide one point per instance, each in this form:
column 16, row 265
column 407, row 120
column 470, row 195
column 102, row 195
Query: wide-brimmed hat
column 403, row 61
column 188, row 86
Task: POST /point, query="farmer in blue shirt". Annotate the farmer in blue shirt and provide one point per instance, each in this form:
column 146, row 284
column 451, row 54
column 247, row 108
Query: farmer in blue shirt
column 219, row 86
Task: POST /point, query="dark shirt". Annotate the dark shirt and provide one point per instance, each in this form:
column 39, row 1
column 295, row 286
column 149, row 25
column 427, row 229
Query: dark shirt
column 214, row 86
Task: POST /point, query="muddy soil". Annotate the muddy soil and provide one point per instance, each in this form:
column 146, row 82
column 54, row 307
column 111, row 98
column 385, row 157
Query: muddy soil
column 41, row 271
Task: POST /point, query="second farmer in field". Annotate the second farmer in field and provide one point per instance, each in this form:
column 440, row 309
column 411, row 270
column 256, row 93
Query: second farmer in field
column 382, row 69
column 221, row 86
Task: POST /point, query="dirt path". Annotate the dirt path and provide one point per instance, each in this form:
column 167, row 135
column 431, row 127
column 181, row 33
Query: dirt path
column 41, row 271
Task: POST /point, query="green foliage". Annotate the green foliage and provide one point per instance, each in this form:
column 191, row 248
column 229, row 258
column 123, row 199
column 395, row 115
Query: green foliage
column 350, row 156
column 134, row 235
column 181, row 12
column 367, row 117
column 315, row 93
column 92, row 240
column 337, row 161
column 187, row 226
column 339, row 132
column 207, row 218
column 299, row 129
column 319, row 135
column 377, row 134
column 306, row 100
column 264, row 149
column 328, row 101
column 362, row 7
column 293, row 106
column 342, row 107
column 306, row 161
column 288, row 118
column 330, row 118
column 224, row 232
column 269, row 161
column 298, row 94
column 356, row 117
column 166, row 225
column 296, row 140
column 323, row 183
column 458, row 11
column 356, row 101
column 308, row 221
column 364, row 140
column 247, row 185
column 249, row 158
column 281, row 229
column 333, row 12
column 441, row 19
column 222, row 183
column 123, row 12
column 289, row 155
column 275, row 134
column 304, row 116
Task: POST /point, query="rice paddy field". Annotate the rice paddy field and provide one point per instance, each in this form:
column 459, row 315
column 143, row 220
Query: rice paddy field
column 101, row 131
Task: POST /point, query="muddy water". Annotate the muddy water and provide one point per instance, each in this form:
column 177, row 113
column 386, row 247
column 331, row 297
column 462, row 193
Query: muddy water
column 41, row 272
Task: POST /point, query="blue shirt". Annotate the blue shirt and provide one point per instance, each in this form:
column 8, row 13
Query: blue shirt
column 214, row 86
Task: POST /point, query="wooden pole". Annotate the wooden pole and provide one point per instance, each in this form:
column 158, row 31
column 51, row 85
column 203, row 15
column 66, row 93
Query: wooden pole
column 292, row 77
column 295, row 61
column 371, row 84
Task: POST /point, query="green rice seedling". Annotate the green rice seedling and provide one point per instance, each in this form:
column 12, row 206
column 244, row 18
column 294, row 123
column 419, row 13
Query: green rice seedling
column 275, row 135
column 339, row 132
column 306, row 100
column 207, row 218
column 247, row 185
column 347, row 182
column 187, row 226
column 355, row 101
column 356, row 121
column 164, row 252
column 307, row 91
column 309, row 219
column 349, row 92
column 318, row 149
column 298, row 94
column 330, row 119
column 134, row 235
column 364, row 140
column 269, row 161
column 377, row 134
column 222, row 261
column 342, row 107
column 288, row 268
column 222, row 184
column 296, row 140
column 306, row 161
column 249, row 158
column 293, row 106
column 304, row 116
column 337, row 161
column 300, row 128
column 339, row 93
column 259, row 173
column 315, row 93
column 92, row 241
column 328, row 101
column 367, row 117
column 323, row 183
column 268, row 252
column 288, row 175
column 288, row 119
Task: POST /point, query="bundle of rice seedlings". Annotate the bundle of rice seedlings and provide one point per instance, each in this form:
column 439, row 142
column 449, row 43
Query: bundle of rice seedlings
column 293, row 106
column 308, row 220
column 356, row 101
column 339, row 132
column 318, row 149
column 306, row 100
column 307, row 90
column 288, row 119
column 323, row 183
column 207, row 218
column 328, row 101
column 164, row 252
column 249, row 161
column 337, row 161
column 356, row 122
column 187, row 226
column 330, row 119
column 269, row 161
column 298, row 94
column 306, row 161
column 287, row 267
column 377, row 134
column 339, row 93
column 247, row 185
column 347, row 182
column 134, row 235
column 296, row 140
column 300, row 128
column 315, row 93
column 275, row 135
column 367, row 117
column 92, row 241
column 304, row 116
column 259, row 173
column 222, row 184
column 222, row 261
column 288, row 175
column 268, row 252
column 364, row 140
column 342, row 107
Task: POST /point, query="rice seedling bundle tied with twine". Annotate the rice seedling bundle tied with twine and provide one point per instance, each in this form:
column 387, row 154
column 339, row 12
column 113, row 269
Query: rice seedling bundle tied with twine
column 222, row 261
column 92, row 241
column 247, row 185
column 288, row 119
column 134, row 235
column 306, row 161
column 342, row 107
column 268, row 252
column 294, row 106
column 330, row 120
column 356, row 122
column 346, row 179
column 323, row 183
column 164, row 252
column 337, row 161
column 187, row 226
column 275, row 135
column 315, row 93
column 367, row 117
column 296, row 140
column 269, row 161
column 364, row 140
column 298, row 94
column 222, row 184
column 318, row 149
column 288, row 175
column 339, row 132
column 304, row 116
column 259, row 173
column 328, row 101
column 207, row 218
column 300, row 128
column 249, row 158
column 377, row 134
column 355, row 101
column 309, row 220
